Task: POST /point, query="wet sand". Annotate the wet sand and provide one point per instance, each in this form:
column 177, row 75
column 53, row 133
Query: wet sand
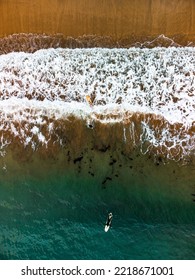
column 120, row 20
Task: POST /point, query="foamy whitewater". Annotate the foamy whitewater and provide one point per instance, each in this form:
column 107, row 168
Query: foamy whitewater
column 154, row 87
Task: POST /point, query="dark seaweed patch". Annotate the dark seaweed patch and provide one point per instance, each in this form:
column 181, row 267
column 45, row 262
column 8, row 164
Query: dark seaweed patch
column 78, row 159
column 104, row 149
column 158, row 160
column 106, row 179
column 113, row 162
column 68, row 156
column 126, row 156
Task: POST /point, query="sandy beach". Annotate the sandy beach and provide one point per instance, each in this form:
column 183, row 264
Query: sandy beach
column 120, row 20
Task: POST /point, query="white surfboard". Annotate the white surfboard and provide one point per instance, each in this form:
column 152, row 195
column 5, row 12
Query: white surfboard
column 106, row 228
column 108, row 222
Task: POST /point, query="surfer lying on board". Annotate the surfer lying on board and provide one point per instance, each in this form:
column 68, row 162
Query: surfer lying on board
column 108, row 222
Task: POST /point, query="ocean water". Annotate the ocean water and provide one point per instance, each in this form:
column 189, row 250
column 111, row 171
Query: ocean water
column 63, row 218
column 85, row 132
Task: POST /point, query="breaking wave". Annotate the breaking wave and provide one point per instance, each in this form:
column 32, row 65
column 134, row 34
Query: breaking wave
column 144, row 96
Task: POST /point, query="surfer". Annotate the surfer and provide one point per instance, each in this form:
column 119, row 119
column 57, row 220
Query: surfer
column 108, row 222
column 89, row 100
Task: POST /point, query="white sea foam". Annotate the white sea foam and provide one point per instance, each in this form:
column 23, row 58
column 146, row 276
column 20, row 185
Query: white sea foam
column 55, row 83
column 177, row 144
column 159, row 80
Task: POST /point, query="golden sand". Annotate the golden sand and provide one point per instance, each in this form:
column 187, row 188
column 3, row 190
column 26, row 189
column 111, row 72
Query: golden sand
column 117, row 19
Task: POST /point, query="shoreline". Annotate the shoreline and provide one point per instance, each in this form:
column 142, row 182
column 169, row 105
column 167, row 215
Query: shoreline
column 32, row 42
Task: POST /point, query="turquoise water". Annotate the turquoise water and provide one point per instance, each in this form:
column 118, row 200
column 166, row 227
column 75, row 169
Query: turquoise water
column 63, row 218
